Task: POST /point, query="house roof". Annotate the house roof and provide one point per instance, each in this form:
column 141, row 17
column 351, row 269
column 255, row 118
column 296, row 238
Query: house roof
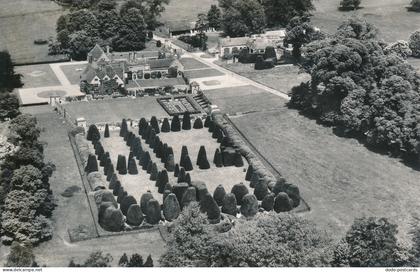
column 160, row 63
column 260, row 43
column 96, row 52
column 105, row 70
column 155, row 83
column 240, row 41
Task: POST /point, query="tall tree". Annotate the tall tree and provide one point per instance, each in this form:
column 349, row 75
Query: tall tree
column 214, row 17
column 9, row 80
column 280, row 12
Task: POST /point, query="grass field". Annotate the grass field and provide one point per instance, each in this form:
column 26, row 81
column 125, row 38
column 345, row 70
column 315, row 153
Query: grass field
column 39, row 75
column 73, row 72
column 281, row 77
column 202, row 73
column 116, row 109
column 191, row 64
column 22, row 22
column 339, row 178
column 180, row 10
column 390, row 16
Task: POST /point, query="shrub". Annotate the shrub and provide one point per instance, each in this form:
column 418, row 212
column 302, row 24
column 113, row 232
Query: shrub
column 124, row 128
column 154, row 173
column 189, row 196
column 149, row 261
column 181, row 175
column 261, row 189
column 349, row 4
column 237, row 160
column 153, row 212
column 123, row 165
column 268, row 202
column 270, row 53
column 132, row 167
column 145, row 160
column 176, row 170
column 198, row 123
column 210, row 207
column 144, row 200
column 415, row 5
column 121, row 194
column 166, row 127
column 92, row 164
column 171, row 208
column 170, row 163
column 187, row 164
column 135, row 261
column 249, row 173
column 262, row 64
column 126, row 202
column 283, row 203
column 293, row 192
column 414, row 44
column 93, row 134
column 155, row 124
column 239, row 190
column 21, row 255
column 249, row 205
column 219, row 194
column 229, row 205
column 186, row 121
column 106, row 133
column 179, row 189
column 175, row 124
column 158, row 43
column 218, row 161
column 202, row 161
column 163, row 179
column 207, row 121
column 142, row 126
column 187, row 178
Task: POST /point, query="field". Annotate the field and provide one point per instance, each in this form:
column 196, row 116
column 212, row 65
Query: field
column 22, row 22
column 116, row 109
column 180, row 10
column 202, row 73
column 390, row 16
column 191, row 64
column 73, row 72
column 136, row 185
column 281, row 78
column 339, row 178
column 38, row 75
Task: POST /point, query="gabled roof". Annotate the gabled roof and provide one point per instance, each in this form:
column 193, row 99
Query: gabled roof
column 106, row 70
column 240, row 41
column 96, row 52
column 260, row 43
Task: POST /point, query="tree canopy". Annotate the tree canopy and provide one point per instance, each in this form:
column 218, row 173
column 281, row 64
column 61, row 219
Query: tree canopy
column 280, row 12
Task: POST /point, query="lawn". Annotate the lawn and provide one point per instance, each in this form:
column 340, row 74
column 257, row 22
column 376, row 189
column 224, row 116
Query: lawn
column 22, row 22
column 339, row 178
column 114, row 110
column 191, row 64
column 73, row 72
column 136, row 185
column 390, row 16
column 281, row 77
column 181, row 10
column 39, row 75
column 202, row 73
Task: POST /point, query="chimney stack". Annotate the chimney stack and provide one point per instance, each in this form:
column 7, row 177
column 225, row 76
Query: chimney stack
column 107, row 49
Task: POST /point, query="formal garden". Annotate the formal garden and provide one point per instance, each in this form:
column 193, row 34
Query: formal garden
column 141, row 173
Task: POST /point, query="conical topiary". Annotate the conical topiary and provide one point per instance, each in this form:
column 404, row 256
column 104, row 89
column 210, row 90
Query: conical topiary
column 186, row 121
column 218, row 161
column 123, row 168
column 239, row 190
column 212, row 126
column 170, row 163
column 202, row 161
column 142, row 126
column 124, row 128
column 153, row 212
column 279, row 186
column 187, row 179
column 146, row 133
column 149, row 167
column 145, row 160
column 249, row 172
column 144, row 200
column 254, row 179
column 126, row 202
column 261, row 189
column 121, row 194
column 158, row 149
column 112, row 182
column 198, row 123
column 283, row 203
column 154, row 173
column 268, row 202
column 171, row 208
column 151, row 138
column 130, row 156
column 132, row 167
column 134, row 215
column 229, row 205
column 219, row 194
column 168, row 187
column 109, row 172
column 181, row 175
column 238, row 162
column 117, row 187
column 201, row 189
column 187, row 164
column 163, row 179
column 165, row 194
column 207, row 121
column 107, row 165
column 216, row 132
column 155, row 124
column 92, row 164
column 168, row 152
column 93, row 134
column 176, row 170
column 175, row 124
column 220, row 136
column 119, row 162
column 189, row 196
column 184, row 153
column 103, row 159
column 249, row 205
column 210, row 207
column 106, row 133
column 166, row 127
column 179, row 189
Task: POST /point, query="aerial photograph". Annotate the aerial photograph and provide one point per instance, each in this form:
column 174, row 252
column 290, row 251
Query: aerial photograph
column 175, row 134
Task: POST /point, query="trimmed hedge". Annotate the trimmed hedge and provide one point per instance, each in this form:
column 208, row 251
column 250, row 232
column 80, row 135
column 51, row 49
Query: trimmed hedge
column 239, row 190
column 171, row 208
column 229, row 205
column 219, row 194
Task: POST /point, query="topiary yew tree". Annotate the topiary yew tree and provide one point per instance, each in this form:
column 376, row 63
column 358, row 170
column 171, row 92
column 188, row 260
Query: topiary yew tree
column 218, row 160
column 93, row 134
column 210, row 207
column 198, row 123
column 106, row 133
column 229, row 205
column 249, row 205
column 92, row 164
column 142, row 126
column 155, row 124
column 132, row 167
column 219, row 194
column 361, row 90
column 189, row 196
column 239, row 190
column 171, row 208
column 283, row 203
column 186, row 121
column 175, row 124
column 124, row 128
column 144, row 200
column 166, row 127
column 202, row 161
column 349, row 4
column 414, row 43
